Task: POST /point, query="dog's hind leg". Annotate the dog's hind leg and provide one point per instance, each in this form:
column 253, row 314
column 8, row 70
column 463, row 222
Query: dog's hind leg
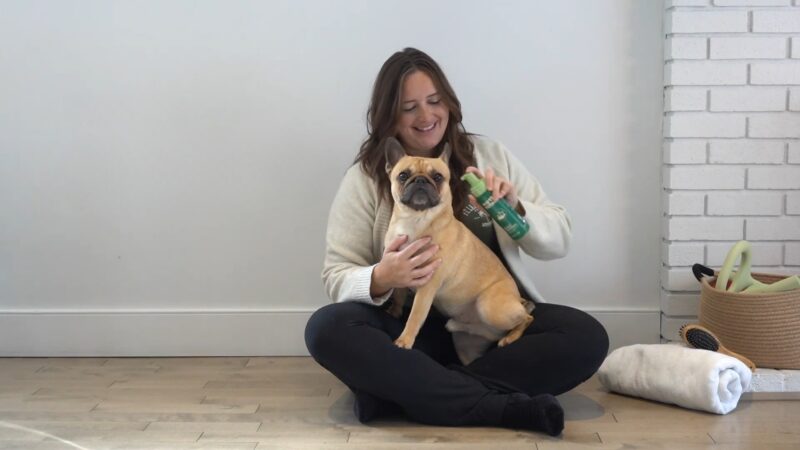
column 470, row 347
column 515, row 332
column 478, row 329
column 504, row 312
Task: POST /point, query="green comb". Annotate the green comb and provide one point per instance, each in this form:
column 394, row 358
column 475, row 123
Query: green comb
column 742, row 280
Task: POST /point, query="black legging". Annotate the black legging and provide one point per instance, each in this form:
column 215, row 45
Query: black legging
column 562, row 348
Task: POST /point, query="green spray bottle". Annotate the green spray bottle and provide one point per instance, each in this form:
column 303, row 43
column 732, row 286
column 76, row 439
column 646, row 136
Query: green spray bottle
column 515, row 225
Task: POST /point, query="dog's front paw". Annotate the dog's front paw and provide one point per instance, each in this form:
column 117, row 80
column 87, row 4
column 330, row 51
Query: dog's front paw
column 404, row 342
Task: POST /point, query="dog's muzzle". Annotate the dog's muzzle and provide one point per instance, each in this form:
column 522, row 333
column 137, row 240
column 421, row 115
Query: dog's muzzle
column 420, row 193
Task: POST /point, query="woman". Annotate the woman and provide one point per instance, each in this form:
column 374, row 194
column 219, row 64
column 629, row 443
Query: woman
column 512, row 386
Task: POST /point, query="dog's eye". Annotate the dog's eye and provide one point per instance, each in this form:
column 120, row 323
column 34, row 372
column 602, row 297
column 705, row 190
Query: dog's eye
column 403, row 177
column 437, row 177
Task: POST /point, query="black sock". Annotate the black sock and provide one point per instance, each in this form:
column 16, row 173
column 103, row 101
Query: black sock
column 367, row 407
column 539, row 413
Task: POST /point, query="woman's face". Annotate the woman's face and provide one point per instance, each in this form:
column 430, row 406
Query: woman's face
column 423, row 115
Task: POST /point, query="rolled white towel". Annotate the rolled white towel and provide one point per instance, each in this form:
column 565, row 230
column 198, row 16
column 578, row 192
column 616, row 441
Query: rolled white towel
column 688, row 377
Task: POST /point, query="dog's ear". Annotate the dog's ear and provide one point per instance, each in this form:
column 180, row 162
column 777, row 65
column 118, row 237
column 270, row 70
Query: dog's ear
column 446, row 151
column 394, row 151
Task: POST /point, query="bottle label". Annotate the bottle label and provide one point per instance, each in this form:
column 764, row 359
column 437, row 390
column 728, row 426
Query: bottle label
column 515, row 225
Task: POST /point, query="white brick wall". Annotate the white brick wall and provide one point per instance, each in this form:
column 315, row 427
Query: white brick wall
column 710, row 21
column 686, row 48
column 784, row 177
column 779, row 20
column 686, row 99
column 685, row 151
column 705, row 177
column 708, row 125
column 682, row 253
column 741, row 151
column 686, row 203
column 731, row 141
column 794, row 93
column 705, row 73
column 775, row 73
column 793, row 156
column 764, row 253
column 747, row 99
column 736, row 203
column 793, row 253
column 748, row 47
column 793, row 204
column 786, row 125
column 752, row 2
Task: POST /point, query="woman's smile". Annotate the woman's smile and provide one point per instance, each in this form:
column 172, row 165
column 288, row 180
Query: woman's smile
column 422, row 121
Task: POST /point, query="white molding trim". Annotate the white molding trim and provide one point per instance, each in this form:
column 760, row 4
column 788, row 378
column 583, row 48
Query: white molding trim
column 212, row 332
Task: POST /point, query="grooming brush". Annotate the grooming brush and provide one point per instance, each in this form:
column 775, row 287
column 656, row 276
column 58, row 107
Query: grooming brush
column 699, row 337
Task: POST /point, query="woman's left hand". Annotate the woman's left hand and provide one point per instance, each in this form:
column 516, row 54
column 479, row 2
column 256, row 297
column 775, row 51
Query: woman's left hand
column 500, row 187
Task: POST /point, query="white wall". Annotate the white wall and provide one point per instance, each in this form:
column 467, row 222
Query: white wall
column 732, row 142
column 169, row 165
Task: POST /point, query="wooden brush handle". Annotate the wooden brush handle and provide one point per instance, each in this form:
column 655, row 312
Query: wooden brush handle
column 741, row 358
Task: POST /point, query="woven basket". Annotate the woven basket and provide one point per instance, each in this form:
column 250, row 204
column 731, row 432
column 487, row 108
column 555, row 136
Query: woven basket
column 764, row 327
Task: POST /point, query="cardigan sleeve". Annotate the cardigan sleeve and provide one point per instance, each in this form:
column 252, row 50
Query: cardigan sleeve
column 349, row 261
column 550, row 225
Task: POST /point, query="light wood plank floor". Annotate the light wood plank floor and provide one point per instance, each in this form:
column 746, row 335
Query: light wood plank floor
column 288, row 403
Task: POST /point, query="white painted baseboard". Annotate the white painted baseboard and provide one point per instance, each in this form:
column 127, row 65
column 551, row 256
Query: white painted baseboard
column 209, row 333
column 671, row 326
column 153, row 333
column 627, row 327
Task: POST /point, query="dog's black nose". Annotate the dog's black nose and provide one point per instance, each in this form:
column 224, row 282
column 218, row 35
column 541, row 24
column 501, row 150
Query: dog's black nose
column 420, row 180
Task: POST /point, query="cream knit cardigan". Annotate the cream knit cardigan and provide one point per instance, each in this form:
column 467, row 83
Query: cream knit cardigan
column 359, row 218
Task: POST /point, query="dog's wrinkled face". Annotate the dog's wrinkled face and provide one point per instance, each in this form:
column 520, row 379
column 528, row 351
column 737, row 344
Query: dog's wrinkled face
column 418, row 183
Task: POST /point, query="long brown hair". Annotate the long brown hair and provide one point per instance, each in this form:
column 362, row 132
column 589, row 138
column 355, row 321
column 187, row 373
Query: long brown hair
column 384, row 108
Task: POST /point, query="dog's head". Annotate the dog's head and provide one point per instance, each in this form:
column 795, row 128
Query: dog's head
column 417, row 183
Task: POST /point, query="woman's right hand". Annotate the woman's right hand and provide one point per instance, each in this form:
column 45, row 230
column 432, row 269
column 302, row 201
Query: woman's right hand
column 399, row 267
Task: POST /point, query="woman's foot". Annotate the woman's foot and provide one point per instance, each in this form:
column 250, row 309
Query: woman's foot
column 539, row 413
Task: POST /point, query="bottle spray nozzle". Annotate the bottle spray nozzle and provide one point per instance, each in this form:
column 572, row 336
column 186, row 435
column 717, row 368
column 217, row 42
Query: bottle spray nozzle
column 476, row 186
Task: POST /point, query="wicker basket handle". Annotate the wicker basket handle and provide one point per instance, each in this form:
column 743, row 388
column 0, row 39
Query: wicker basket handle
column 699, row 270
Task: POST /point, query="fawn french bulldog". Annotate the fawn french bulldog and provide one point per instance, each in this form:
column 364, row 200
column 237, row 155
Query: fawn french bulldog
column 472, row 286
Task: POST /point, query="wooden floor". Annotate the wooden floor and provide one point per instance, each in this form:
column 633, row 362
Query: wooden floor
column 287, row 403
